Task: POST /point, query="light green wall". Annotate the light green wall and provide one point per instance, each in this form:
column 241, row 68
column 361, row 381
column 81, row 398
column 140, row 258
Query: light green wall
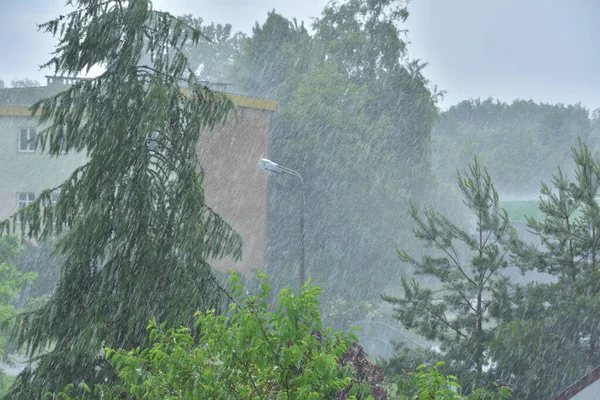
column 29, row 172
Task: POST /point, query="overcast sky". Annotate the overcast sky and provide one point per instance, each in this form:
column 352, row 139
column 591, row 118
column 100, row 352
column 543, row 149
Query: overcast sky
column 545, row 50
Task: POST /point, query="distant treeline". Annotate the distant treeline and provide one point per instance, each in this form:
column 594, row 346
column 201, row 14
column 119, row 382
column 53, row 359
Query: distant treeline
column 520, row 144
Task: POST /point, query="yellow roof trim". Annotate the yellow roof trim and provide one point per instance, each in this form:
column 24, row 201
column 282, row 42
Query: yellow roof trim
column 247, row 101
column 238, row 100
column 253, row 102
column 20, row 111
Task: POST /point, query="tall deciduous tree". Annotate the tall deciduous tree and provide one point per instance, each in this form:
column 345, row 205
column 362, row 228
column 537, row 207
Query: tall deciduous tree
column 467, row 267
column 137, row 233
column 355, row 121
column 274, row 57
column 326, row 115
column 365, row 40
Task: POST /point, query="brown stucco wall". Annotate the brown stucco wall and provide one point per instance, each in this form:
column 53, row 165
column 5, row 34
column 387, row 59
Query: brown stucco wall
column 235, row 187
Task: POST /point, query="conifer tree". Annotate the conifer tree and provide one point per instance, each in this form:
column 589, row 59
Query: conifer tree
column 136, row 233
column 468, row 286
column 553, row 338
column 570, row 231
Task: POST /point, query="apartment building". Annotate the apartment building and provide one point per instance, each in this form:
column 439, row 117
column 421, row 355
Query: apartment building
column 234, row 185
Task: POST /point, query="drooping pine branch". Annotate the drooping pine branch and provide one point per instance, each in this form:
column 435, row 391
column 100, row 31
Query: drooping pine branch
column 136, row 234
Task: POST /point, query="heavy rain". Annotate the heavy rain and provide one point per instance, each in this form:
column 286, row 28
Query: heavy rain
column 344, row 199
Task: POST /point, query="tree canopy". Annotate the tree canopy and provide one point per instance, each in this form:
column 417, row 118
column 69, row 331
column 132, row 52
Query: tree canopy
column 521, row 143
column 469, row 292
column 552, row 338
column 355, row 116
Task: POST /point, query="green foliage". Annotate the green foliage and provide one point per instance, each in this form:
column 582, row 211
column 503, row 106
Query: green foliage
column 428, row 383
column 215, row 56
column 326, row 115
column 364, row 40
column 593, row 140
column 273, row 58
column 23, row 83
column 355, row 122
column 470, row 290
column 520, row 143
column 9, row 248
column 38, row 258
column 261, row 351
column 407, row 357
column 370, row 27
column 12, row 282
column 552, row 337
column 210, row 59
column 254, row 351
column 136, row 235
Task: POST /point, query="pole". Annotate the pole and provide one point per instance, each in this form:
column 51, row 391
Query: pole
column 302, row 270
column 270, row 166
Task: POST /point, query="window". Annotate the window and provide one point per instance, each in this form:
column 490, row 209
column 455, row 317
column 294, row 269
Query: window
column 25, row 199
column 27, row 140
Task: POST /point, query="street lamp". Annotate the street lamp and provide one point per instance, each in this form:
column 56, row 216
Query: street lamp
column 270, row 166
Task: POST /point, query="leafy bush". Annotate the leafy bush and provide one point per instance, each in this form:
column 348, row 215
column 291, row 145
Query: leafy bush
column 428, row 383
column 253, row 351
column 259, row 351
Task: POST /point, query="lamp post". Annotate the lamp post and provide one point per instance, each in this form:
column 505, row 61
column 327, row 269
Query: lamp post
column 270, row 166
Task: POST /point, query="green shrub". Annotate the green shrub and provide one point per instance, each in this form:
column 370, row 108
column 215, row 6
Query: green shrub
column 257, row 351
column 253, row 351
column 428, row 383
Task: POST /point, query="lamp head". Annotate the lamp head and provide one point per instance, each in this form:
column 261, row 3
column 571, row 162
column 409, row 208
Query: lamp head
column 269, row 166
